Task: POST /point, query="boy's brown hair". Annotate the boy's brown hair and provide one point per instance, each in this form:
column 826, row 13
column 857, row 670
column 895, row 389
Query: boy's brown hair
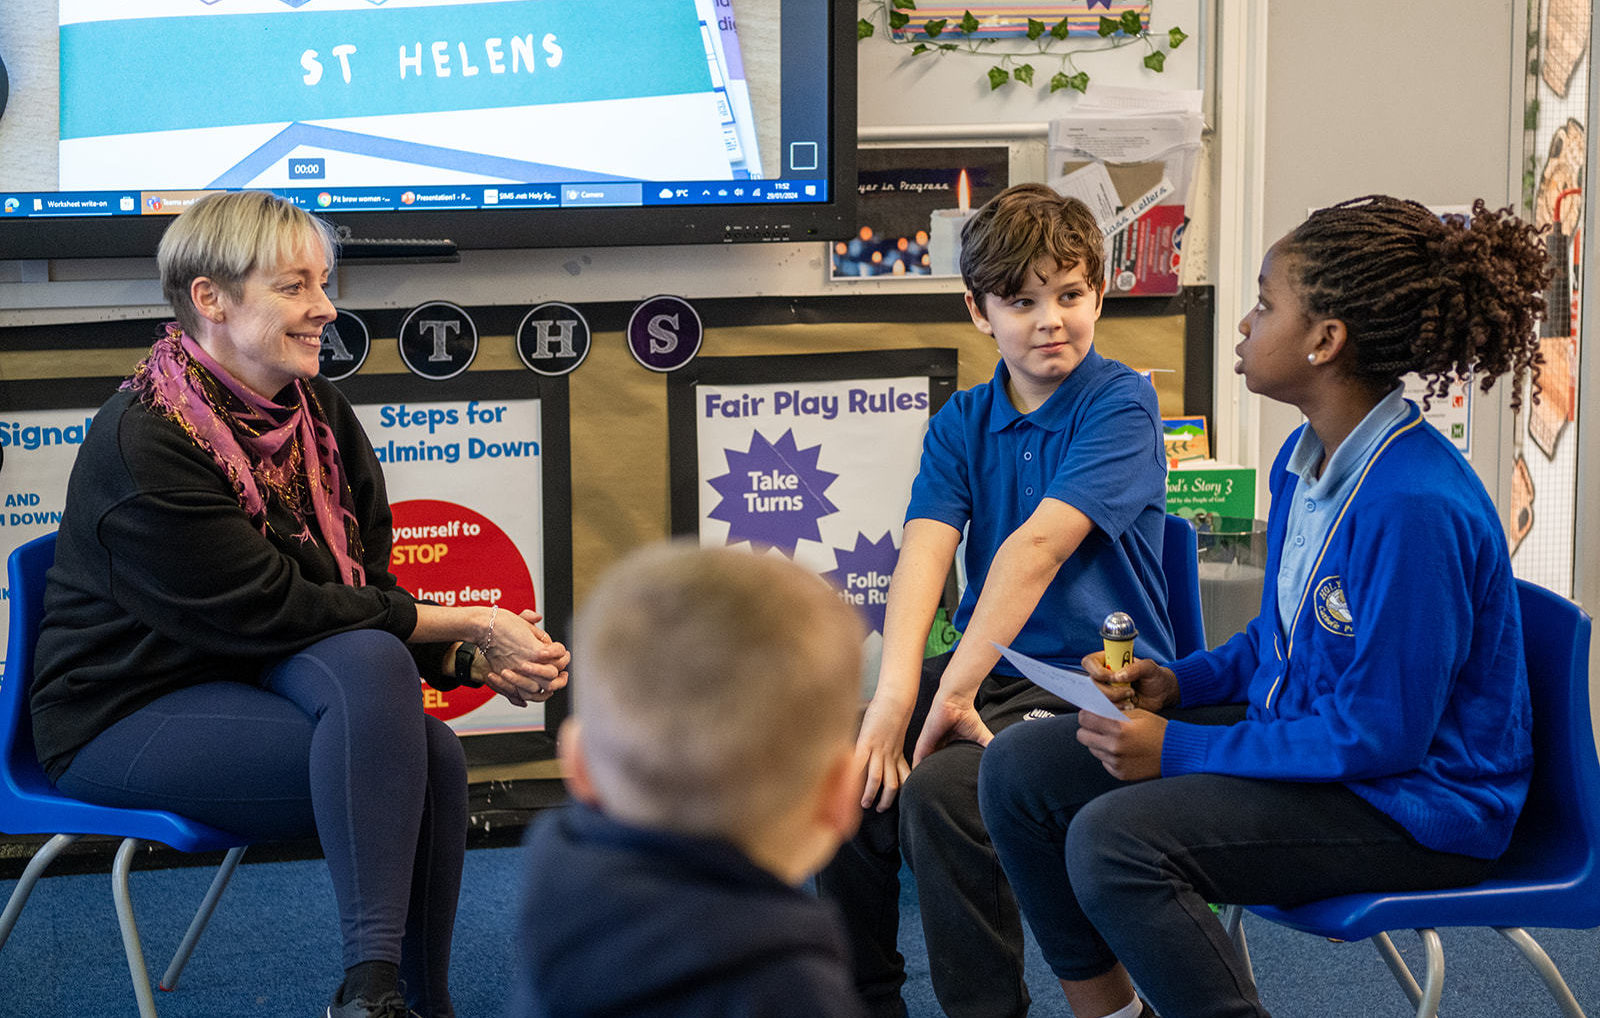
column 1020, row 227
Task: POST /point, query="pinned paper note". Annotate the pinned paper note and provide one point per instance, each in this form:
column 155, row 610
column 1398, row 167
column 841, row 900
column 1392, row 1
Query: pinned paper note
column 1070, row 684
column 1091, row 184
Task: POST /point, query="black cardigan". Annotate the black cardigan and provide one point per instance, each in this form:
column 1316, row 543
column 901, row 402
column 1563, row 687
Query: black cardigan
column 162, row 581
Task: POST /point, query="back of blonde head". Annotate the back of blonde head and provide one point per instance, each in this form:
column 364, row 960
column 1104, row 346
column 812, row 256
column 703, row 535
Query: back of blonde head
column 714, row 687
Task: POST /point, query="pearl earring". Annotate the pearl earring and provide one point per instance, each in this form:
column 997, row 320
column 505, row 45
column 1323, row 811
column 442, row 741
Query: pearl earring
column 1311, row 358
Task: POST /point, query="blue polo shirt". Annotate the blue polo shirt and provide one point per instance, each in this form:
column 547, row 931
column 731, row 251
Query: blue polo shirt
column 1096, row 445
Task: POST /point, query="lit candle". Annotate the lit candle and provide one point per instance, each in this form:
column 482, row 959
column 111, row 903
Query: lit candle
column 944, row 231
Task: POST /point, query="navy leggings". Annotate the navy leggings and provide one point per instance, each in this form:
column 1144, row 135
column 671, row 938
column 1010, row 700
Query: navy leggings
column 331, row 741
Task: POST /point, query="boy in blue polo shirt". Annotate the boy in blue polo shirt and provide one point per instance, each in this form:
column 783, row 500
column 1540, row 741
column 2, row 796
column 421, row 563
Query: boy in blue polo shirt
column 1054, row 473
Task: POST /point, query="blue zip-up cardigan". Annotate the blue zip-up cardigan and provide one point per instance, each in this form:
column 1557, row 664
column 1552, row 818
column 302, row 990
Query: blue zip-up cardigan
column 1403, row 675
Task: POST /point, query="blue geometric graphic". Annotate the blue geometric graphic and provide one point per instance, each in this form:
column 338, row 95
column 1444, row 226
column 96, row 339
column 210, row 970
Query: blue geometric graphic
column 772, row 495
column 862, row 576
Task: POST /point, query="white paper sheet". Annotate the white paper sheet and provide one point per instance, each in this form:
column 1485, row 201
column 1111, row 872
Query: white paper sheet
column 1091, row 184
column 1071, row 685
column 1131, row 126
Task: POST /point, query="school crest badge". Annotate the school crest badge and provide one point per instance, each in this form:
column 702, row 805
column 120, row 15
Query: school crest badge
column 1333, row 611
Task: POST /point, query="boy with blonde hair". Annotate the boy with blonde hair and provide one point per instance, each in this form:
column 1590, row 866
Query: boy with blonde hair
column 710, row 757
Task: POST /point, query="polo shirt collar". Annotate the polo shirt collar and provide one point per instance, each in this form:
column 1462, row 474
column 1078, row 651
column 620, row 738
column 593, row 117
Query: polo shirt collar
column 1054, row 413
column 1354, row 451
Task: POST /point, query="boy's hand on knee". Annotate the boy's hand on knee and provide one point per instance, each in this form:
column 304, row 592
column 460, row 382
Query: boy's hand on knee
column 950, row 721
column 880, row 754
column 1130, row 750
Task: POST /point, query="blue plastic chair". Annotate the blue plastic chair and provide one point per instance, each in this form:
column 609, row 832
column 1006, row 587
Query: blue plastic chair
column 30, row 804
column 1180, row 561
column 1549, row 877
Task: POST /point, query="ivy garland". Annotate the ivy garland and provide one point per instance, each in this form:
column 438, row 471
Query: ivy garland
column 934, row 37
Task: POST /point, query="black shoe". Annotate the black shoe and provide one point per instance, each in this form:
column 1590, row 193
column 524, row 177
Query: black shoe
column 389, row 1005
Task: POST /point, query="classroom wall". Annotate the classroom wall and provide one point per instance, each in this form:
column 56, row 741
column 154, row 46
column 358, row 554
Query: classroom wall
column 620, row 491
column 1368, row 96
column 895, row 91
column 1363, row 95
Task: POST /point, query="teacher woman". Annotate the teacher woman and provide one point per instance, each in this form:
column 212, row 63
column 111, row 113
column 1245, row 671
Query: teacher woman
column 222, row 635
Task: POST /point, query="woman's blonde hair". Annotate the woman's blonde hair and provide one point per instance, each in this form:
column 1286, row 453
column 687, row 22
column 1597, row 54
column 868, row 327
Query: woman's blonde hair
column 225, row 237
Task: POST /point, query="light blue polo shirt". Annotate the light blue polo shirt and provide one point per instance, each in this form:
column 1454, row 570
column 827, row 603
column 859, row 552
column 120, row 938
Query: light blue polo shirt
column 1096, row 445
column 1317, row 500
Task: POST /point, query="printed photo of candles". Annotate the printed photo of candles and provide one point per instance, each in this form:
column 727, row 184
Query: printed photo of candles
column 944, row 231
column 913, row 204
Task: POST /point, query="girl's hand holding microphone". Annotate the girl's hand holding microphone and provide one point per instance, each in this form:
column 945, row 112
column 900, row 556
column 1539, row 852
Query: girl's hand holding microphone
column 1141, row 683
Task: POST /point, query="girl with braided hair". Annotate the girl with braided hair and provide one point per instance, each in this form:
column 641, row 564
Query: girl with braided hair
column 1369, row 731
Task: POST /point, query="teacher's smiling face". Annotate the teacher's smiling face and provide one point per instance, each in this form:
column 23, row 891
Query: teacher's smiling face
column 269, row 332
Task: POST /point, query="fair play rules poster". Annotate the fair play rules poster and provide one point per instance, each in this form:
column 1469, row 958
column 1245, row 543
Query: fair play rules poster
column 476, row 473
column 809, row 456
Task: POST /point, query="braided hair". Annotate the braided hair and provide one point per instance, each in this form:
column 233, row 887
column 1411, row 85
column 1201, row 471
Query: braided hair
column 1444, row 297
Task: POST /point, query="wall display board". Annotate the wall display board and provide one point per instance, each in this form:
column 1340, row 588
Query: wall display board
column 477, row 469
column 41, row 427
column 620, row 498
column 478, row 472
column 810, row 456
column 1544, row 486
column 1003, row 18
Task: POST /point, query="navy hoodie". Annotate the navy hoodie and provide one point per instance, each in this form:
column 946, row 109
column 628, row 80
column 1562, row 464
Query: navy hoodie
column 619, row 920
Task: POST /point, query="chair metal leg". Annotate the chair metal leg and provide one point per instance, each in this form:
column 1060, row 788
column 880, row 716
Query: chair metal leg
column 1433, row 982
column 1397, row 967
column 35, row 869
column 1546, row 968
column 1232, row 917
column 169, row 981
column 120, row 869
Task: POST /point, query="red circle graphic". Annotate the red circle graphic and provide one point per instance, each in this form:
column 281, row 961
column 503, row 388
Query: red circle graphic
column 452, row 555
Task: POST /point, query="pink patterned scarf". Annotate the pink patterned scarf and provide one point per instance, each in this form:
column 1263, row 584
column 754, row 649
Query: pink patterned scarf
column 259, row 444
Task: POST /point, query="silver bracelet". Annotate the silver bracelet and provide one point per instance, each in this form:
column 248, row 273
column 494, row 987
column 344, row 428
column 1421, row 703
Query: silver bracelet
column 488, row 640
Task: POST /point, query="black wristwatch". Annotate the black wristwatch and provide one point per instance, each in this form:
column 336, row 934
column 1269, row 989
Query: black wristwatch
column 465, row 655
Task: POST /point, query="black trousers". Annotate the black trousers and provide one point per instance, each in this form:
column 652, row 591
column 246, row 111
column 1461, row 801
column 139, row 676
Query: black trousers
column 1111, row 871
column 969, row 915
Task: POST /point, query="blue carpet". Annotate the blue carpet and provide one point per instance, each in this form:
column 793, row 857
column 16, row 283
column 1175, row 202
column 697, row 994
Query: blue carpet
column 272, row 949
column 1301, row 976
